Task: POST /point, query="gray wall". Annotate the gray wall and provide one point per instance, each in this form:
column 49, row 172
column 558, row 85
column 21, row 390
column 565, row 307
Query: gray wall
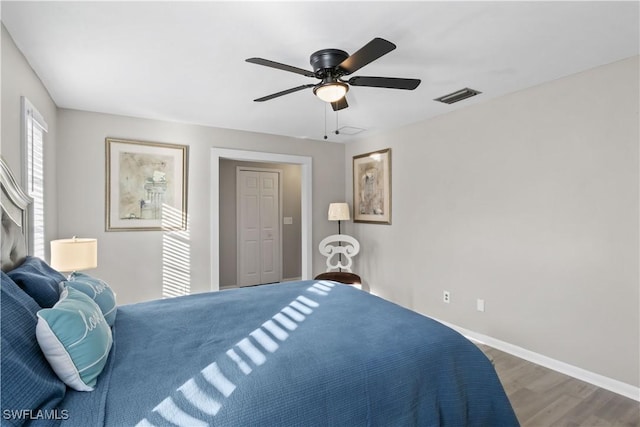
column 18, row 79
column 529, row 201
column 133, row 262
column 291, row 234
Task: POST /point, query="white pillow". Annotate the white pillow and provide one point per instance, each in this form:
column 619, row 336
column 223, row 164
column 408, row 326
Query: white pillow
column 75, row 339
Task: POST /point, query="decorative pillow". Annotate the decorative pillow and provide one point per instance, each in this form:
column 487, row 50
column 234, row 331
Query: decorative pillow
column 38, row 280
column 99, row 292
column 75, row 339
column 28, row 382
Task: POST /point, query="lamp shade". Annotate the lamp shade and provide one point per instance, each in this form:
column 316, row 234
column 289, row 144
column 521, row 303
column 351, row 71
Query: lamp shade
column 74, row 254
column 338, row 212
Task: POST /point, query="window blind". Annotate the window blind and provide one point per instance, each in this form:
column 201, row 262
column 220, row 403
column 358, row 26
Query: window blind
column 34, row 130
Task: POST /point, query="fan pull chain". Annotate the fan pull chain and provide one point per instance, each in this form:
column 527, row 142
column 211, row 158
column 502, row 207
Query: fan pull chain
column 325, row 121
column 337, row 131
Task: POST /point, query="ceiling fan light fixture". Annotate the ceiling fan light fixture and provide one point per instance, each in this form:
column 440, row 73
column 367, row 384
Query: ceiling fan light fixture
column 331, row 92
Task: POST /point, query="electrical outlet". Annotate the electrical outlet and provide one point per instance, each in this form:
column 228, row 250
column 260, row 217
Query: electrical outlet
column 480, row 304
column 446, row 296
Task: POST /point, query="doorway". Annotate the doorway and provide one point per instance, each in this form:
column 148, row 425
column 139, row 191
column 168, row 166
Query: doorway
column 305, row 250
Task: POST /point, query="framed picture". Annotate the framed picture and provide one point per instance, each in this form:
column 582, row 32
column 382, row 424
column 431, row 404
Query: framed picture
column 372, row 187
column 146, row 186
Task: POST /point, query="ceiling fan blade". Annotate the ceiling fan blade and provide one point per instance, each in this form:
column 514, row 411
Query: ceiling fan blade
column 368, row 53
column 386, row 82
column 284, row 92
column 340, row 104
column 279, row 66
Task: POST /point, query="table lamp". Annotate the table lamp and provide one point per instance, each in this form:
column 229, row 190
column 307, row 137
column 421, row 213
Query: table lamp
column 339, row 212
column 75, row 254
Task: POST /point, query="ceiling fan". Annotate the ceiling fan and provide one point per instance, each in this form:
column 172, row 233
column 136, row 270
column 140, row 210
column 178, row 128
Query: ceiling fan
column 330, row 65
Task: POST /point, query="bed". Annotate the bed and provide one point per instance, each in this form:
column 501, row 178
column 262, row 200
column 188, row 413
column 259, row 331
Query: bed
column 300, row 353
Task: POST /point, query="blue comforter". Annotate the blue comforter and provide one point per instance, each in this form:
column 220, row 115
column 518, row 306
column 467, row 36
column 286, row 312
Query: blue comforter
column 292, row 354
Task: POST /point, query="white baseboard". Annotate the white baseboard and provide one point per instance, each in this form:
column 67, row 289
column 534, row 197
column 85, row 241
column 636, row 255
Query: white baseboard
column 291, row 279
column 607, row 383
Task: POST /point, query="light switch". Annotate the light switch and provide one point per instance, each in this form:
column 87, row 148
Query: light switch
column 288, row 220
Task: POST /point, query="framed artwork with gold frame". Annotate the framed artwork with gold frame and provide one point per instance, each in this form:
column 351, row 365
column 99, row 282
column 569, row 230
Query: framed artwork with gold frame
column 146, row 185
column 372, row 187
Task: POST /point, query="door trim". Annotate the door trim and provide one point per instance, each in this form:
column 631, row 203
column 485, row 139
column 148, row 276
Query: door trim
column 280, row 172
column 305, row 196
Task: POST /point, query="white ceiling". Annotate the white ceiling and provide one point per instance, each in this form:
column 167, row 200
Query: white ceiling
column 185, row 61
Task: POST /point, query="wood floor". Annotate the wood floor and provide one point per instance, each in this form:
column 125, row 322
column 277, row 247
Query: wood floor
column 545, row 398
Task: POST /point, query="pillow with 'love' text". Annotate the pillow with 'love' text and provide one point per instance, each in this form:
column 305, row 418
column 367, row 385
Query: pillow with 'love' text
column 75, row 339
column 98, row 290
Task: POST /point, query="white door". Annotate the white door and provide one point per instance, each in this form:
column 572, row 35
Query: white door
column 259, row 259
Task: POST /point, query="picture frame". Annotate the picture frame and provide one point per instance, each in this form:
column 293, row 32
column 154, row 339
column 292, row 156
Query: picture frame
column 372, row 187
column 146, row 186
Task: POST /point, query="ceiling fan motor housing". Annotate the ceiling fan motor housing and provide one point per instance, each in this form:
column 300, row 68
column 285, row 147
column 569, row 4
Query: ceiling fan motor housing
column 326, row 61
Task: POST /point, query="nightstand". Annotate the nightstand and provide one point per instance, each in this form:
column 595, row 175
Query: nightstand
column 340, row 276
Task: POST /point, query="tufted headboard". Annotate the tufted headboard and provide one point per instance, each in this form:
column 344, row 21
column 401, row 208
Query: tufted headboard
column 17, row 215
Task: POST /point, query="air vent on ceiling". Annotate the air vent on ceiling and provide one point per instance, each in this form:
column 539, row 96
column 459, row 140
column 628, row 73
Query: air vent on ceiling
column 349, row 130
column 458, row 95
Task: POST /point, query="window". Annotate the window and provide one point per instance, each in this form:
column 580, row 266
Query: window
column 34, row 129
